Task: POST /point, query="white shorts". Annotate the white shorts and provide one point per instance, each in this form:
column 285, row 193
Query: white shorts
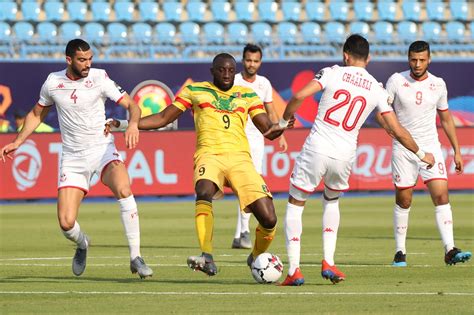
column 257, row 147
column 77, row 169
column 312, row 167
column 406, row 167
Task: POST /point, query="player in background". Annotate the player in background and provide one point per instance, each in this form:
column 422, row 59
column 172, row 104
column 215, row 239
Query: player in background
column 251, row 61
column 350, row 94
column 222, row 156
column 79, row 93
column 416, row 95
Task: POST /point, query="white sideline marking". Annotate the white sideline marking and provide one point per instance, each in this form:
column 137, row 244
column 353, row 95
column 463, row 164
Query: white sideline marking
column 230, row 293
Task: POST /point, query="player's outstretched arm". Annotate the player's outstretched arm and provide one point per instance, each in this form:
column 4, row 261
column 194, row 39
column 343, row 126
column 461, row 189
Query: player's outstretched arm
column 131, row 133
column 383, row 124
column 295, row 102
column 405, row 138
column 273, row 115
column 32, row 121
column 161, row 119
column 268, row 129
column 449, row 128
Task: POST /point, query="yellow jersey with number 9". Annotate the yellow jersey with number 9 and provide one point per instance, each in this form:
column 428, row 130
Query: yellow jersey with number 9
column 219, row 116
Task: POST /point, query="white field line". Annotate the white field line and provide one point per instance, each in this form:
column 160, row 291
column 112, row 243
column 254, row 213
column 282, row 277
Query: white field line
column 200, row 293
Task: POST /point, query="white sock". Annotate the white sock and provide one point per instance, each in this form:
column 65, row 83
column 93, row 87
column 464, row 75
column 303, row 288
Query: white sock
column 244, row 222
column 131, row 224
column 293, row 231
column 237, row 228
column 77, row 236
column 331, row 219
column 444, row 221
column 400, row 227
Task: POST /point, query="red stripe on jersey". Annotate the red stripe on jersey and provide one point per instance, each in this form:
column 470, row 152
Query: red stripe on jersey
column 42, row 105
column 205, row 105
column 240, row 109
column 77, row 187
column 301, row 189
column 336, row 189
column 118, row 101
column 443, row 110
column 386, row 112
column 73, row 79
column 259, row 106
column 182, row 101
column 404, row 187
column 432, row 179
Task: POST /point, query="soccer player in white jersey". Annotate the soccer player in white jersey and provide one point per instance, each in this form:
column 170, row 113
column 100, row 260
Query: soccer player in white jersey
column 252, row 60
column 416, row 96
column 350, row 94
column 79, row 93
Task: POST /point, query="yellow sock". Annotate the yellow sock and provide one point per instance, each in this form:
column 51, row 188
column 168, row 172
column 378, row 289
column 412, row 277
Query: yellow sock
column 263, row 239
column 204, row 225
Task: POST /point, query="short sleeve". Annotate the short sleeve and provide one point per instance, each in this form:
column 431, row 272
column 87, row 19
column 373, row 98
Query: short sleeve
column 184, row 99
column 45, row 98
column 391, row 88
column 268, row 97
column 255, row 105
column 382, row 102
column 324, row 76
column 111, row 89
column 443, row 100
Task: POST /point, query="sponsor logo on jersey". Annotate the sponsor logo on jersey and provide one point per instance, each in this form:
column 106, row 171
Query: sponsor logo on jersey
column 26, row 166
column 406, row 84
column 328, row 230
column 295, row 239
column 60, row 86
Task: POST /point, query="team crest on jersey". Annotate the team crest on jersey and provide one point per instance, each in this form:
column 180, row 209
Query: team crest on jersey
column 319, row 74
column 397, row 178
column 88, row 84
column 432, row 87
column 62, row 178
column 224, row 104
column 237, row 95
column 265, row 189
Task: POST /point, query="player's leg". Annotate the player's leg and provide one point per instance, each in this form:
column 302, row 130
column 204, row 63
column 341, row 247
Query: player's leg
column 115, row 176
column 444, row 221
column 264, row 211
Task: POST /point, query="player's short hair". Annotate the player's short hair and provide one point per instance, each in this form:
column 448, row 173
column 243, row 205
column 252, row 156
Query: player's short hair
column 222, row 56
column 357, row 46
column 76, row 45
column 253, row 49
column 419, row 46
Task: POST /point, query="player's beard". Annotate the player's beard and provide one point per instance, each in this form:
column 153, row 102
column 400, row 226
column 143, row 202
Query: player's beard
column 417, row 75
column 79, row 73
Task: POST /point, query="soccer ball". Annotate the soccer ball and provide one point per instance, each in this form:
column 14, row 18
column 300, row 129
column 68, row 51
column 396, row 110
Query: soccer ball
column 267, row 268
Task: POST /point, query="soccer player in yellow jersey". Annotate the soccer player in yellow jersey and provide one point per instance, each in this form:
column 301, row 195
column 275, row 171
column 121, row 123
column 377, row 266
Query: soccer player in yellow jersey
column 222, row 154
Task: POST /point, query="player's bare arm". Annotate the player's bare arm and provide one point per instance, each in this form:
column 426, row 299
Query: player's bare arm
column 268, row 129
column 449, row 128
column 32, row 121
column 405, row 138
column 131, row 133
column 161, row 119
column 383, row 124
column 295, row 102
column 272, row 114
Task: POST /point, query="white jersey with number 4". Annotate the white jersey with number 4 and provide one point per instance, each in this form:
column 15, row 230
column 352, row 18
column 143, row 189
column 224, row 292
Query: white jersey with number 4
column 80, row 105
column 415, row 104
column 350, row 94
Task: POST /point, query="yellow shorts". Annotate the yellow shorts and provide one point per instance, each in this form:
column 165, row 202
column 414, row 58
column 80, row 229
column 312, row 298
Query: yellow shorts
column 235, row 170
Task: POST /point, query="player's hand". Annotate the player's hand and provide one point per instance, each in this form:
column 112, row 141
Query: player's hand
column 429, row 159
column 283, row 144
column 131, row 136
column 111, row 124
column 459, row 163
column 7, row 151
column 276, row 130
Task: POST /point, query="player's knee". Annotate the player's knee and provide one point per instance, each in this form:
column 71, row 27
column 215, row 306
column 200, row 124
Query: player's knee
column 330, row 194
column 269, row 221
column 405, row 204
column 124, row 192
column 66, row 223
column 439, row 200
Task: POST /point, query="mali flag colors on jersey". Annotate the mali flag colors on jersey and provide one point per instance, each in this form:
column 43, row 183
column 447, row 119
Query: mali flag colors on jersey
column 220, row 116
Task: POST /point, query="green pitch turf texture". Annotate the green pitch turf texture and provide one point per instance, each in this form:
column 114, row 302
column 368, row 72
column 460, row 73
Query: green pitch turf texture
column 36, row 277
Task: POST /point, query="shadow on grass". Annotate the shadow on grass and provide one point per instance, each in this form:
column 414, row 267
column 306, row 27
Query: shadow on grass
column 142, row 246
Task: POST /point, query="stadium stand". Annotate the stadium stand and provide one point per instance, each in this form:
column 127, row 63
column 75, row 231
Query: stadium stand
column 267, row 11
column 363, row 10
column 148, row 11
column 361, row 28
column 69, row 30
column 431, row 31
column 220, row 11
column 124, row 11
column 261, row 32
column 54, row 11
column 237, row 33
column 291, row 10
column 77, row 11
column 30, row 11
column 315, row 10
column 244, row 10
column 387, row 10
column 339, row 10
column 8, row 11
column 196, row 10
column 287, row 32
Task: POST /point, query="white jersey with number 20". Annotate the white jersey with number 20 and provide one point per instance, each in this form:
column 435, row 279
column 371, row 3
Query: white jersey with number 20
column 350, row 94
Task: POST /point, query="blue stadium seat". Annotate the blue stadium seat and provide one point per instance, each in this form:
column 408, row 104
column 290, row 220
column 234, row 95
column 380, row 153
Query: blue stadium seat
column 383, row 32
column 124, row 11
column 77, row 11
column 189, row 32
column 165, row 33
column 361, row 28
column 94, row 32
column 220, row 10
column 335, row 32
column 148, row 11
column 339, row 10
column 5, row 32
column 363, row 10
column 411, row 10
column 407, row 31
column 172, row 10
column 54, row 11
column 47, row 32
column 142, row 32
column 455, row 31
column 244, row 11
column 315, row 10
column 213, row 33
column 287, row 32
column 30, row 11
column 435, row 10
column 23, row 31
column 387, row 10
column 117, row 33
column 471, row 27
column 261, row 32
column 196, row 10
column 100, row 11
column 8, row 11
column 311, row 32
column 291, row 10
column 69, row 30
column 431, row 31
column 267, row 10
column 237, row 33
column 459, row 10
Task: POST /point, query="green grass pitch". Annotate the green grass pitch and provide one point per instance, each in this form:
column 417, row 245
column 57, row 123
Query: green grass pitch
column 36, row 276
